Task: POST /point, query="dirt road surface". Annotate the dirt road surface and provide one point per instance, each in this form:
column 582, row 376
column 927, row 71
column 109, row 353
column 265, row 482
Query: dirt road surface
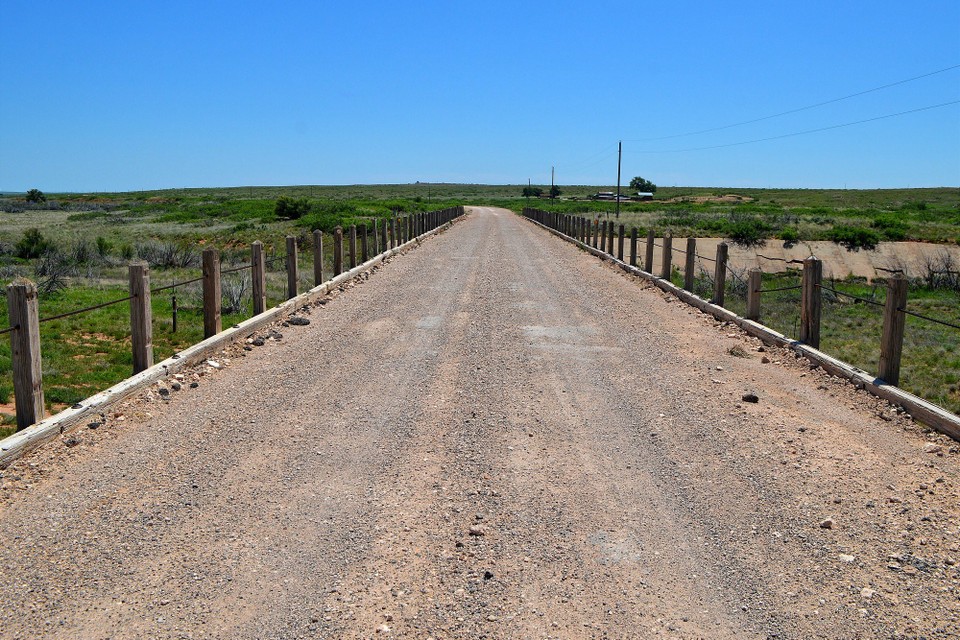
column 494, row 436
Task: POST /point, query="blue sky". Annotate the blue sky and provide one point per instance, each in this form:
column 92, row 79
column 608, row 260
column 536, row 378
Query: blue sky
column 102, row 96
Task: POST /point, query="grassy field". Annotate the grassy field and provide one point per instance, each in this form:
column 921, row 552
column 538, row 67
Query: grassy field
column 850, row 330
column 86, row 240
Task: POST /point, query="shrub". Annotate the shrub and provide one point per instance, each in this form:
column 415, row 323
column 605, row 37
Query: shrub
column 891, row 227
column 790, row 236
column 747, row 232
column 104, row 247
column 32, row 244
column 854, row 238
column 168, row 254
column 291, row 208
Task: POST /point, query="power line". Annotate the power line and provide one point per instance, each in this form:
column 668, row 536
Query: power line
column 812, row 106
column 800, row 133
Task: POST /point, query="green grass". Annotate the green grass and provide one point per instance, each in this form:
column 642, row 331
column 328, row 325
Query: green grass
column 850, row 330
column 87, row 353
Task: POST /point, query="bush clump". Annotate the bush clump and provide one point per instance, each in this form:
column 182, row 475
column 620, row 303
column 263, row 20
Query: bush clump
column 854, row 238
column 747, row 232
column 890, row 226
column 32, row 244
column 790, row 236
column 291, row 208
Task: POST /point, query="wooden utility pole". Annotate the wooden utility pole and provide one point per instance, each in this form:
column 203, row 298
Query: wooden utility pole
column 619, row 158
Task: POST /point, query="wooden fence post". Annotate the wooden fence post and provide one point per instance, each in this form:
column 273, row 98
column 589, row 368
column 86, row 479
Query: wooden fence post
column 353, row 246
column 810, row 302
column 337, row 251
column 620, row 238
column 364, row 244
column 375, row 247
column 666, row 262
column 141, row 316
column 610, row 238
column 258, row 275
column 385, row 244
column 393, row 234
column 720, row 274
column 648, row 256
column 24, row 315
column 894, row 322
column 690, row 265
column 293, row 267
column 211, row 292
column 603, row 236
column 754, row 284
column 317, row 257
column 633, row 246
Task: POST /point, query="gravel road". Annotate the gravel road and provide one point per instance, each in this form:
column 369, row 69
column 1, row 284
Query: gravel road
column 494, row 436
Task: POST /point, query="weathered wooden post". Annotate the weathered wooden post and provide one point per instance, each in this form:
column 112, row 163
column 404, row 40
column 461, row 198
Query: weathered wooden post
column 633, row 246
column 293, row 267
column 24, row 316
column 894, row 322
column 211, row 292
column 337, row 251
column 648, row 256
column 141, row 316
column 258, row 275
column 610, row 238
column 810, row 302
column 595, row 230
column 317, row 257
column 364, row 244
column 375, row 247
column 385, row 245
column 754, row 284
column 720, row 274
column 353, row 246
column 666, row 258
column 690, row 265
column 603, row 236
column 393, row 234
column 620, row 238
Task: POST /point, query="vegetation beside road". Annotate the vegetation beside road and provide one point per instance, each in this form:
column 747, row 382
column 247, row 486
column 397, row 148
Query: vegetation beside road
column 77, row 247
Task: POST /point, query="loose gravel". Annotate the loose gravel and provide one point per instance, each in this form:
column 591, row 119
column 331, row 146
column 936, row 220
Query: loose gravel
column 494, row 435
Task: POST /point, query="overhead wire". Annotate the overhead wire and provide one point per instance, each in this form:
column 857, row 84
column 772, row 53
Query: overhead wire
column 798, row 109
column 804, row 132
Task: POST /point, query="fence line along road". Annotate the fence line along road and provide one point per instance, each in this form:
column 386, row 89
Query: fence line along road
column 25, row 320
column 582, row 231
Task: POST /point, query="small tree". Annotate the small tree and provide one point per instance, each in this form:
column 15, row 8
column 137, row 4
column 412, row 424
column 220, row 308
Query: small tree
column 291, row 208
column 35, row 195
column 554, row 191
column 32, row 244
column 641, row 184
column 532, row 191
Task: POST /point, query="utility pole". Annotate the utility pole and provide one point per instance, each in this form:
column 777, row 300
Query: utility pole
column 619, row 158
column 551, row 183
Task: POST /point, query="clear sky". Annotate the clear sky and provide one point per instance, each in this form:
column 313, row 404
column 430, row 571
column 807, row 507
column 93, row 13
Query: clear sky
column 102, row 96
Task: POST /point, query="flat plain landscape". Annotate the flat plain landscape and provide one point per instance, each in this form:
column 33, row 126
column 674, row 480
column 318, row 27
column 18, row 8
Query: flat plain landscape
column 82, row 243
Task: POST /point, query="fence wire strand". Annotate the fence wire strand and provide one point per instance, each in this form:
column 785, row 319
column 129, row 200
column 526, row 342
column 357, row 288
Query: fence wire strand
column 175, row 285
column 85, row 309
column 851, row 296
column 928, row 318
column 791, row 288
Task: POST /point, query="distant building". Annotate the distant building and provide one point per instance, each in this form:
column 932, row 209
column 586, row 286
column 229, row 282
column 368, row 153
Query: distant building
column 644, row 195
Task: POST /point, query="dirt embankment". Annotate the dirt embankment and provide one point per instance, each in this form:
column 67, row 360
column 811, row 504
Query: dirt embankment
column 494, row 436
